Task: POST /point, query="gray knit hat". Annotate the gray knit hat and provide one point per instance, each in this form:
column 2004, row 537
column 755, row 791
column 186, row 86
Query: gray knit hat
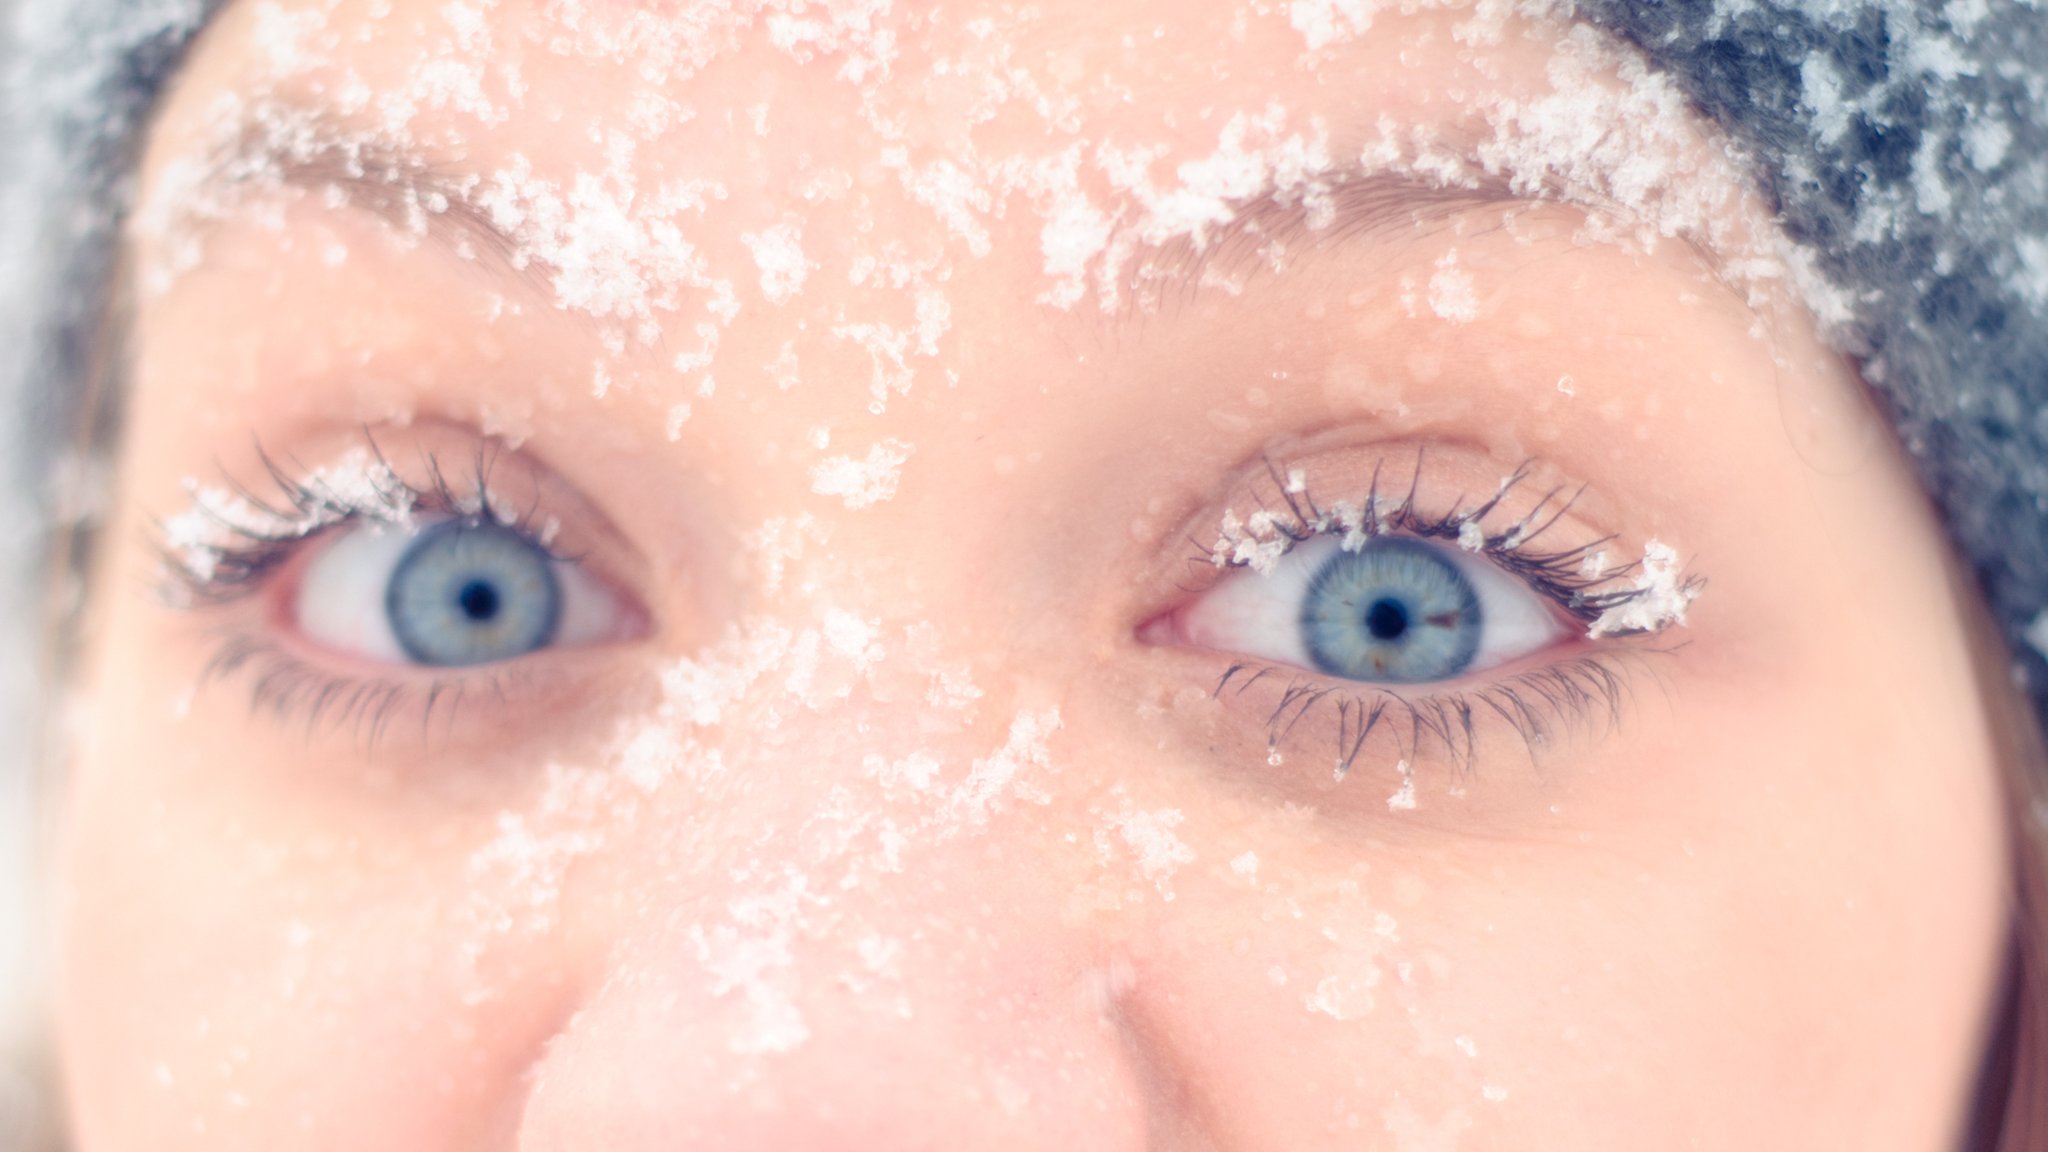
column 1907, row 146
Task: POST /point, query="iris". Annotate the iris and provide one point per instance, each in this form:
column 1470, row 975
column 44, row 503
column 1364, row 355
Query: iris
column 1396, row 611
column 472, row 593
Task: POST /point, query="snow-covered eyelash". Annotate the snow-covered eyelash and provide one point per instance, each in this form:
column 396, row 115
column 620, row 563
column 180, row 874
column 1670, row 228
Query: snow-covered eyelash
column 1579, row 580
column 1587, row 687
column 232, row 538
column 232, row 541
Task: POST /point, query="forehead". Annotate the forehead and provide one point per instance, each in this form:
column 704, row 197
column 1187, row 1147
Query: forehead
column 887, row 194
column 1065, row 121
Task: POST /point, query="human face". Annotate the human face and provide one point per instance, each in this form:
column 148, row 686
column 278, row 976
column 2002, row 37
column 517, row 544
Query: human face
column 881, row 720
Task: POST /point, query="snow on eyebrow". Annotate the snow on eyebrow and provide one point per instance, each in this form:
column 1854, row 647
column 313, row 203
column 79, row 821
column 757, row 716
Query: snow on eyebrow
column 626, row 246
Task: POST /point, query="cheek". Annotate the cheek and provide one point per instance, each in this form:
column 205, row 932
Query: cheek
column 235, row 972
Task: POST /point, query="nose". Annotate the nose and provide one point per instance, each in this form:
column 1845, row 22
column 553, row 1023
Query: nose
column 793, row 993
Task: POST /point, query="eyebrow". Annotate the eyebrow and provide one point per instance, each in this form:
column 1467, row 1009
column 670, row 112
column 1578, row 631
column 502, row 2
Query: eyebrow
column 435, row 200
column 1277, row 224
column 427, row 198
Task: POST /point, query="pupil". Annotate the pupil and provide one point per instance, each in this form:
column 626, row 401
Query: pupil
column 1386, row 619
column 479, row 601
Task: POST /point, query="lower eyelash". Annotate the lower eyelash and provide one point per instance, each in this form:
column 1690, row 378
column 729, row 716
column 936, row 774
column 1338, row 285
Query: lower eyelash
column 287, row 688
column 1539, row 705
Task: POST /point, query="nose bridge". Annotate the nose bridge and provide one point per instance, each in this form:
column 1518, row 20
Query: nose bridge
column 849, row 933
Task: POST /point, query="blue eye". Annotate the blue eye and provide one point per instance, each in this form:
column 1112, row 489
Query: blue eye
column 455, row 593
column 1398, row 610
column 468, row 594
column 1395, row 611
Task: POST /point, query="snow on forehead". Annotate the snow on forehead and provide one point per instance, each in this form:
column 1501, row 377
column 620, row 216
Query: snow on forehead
column 635, row 229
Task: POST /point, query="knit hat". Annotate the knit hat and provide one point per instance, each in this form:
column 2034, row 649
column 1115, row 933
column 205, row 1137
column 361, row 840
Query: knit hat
column 1906, row 146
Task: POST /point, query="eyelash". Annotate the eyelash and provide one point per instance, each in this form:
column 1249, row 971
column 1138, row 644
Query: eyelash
column 1590, row 686
column 223, row 553
column 243, row 557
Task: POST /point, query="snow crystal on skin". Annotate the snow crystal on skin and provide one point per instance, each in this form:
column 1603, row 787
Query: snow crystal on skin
column 1255, row 154
column 865, row 482
column 1325, row 22
column 610, row 247
column 1075, row 229
column 958, row 197
column 953, row 688
column 980, row 796
column 917, row 772
column 285, row 40
column 951, row 691
column 753, row 956
column 697, row 691
column 854, row 638
column 1665, row 594
column 1346, row 995
column 1403, row 799
column 780, row 540
column 1451, row 293
column 1246, row 865
column 530, row 863
column 1152, row 843
column 649, row 756
column 854, row 31
column 779, row 254
column 890, row 347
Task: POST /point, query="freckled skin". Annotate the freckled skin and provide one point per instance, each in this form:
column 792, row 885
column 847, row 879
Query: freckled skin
column 917, row 843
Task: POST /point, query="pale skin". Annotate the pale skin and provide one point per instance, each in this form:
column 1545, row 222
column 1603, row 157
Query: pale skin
column 1759, row 905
